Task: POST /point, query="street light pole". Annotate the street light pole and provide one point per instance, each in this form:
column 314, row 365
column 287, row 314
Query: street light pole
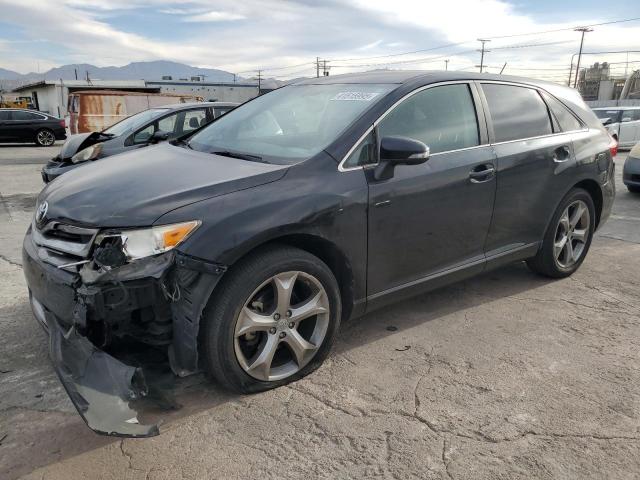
column 446, row 64
column 583, row 30
column 482, row 52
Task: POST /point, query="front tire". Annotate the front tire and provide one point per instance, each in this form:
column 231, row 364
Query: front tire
column 272, row 321
column 633, row 189
column 45, row 137
column 568, row 237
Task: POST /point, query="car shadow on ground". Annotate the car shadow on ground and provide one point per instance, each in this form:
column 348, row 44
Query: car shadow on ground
column 173, row 399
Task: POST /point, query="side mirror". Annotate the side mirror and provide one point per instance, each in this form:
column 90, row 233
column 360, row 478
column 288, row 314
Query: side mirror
column 159, row 136
column 399, row 151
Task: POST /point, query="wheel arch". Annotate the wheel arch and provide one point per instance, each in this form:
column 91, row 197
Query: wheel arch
column 324, row 249
column 593, row 189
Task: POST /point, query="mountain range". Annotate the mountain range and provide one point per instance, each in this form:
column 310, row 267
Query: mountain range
column 134, row 71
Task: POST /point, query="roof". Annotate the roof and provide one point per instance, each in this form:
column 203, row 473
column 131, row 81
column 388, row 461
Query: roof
column 405, row 76
column 178, row 106
column 104, row 84
column 123, row 92
column 613, row 107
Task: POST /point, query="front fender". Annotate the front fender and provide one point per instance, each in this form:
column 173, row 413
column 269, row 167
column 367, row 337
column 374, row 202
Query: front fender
column 313, row 198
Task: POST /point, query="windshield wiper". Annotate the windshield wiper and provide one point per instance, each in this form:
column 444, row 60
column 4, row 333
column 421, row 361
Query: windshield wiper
column 242, row 156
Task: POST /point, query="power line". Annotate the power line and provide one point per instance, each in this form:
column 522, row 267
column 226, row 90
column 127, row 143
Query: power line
column 439, row 47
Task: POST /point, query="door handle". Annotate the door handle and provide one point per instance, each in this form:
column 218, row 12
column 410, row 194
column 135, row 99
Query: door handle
column 561, row 154
column 482, row 173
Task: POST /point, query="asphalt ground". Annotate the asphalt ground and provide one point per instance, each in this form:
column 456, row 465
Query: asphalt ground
column 507, row 375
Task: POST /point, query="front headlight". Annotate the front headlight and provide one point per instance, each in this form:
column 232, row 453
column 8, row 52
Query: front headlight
column 88, row 153
column 145, row 242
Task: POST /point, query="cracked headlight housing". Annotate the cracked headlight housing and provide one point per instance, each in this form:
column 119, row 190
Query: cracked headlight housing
column 146, row 242
column 89, row 153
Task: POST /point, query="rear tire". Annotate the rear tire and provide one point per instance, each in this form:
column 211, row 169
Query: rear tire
column 633, row 189
column 45, row 137
column 265, row 295
column 568, row 236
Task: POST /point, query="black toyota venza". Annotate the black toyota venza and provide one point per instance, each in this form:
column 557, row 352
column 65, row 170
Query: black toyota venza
column 241, row 248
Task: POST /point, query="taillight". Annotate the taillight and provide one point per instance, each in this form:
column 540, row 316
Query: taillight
column 63, row 124
column 613, row 146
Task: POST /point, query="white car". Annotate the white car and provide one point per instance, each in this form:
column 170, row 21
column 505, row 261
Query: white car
column 622, row 123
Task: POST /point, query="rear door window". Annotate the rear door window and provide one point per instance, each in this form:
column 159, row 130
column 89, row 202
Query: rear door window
column 443, row 118
column 17, row 115
column 516, row 112
column 566, row 119
column 4, row 115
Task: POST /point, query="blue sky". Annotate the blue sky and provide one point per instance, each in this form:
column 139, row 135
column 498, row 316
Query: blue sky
column 242, row 36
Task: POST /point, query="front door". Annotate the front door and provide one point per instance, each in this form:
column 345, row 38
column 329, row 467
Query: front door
column 432, row 217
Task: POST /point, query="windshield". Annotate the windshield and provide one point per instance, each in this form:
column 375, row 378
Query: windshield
column 289, row 124
column 603, row 114
column 134, row 121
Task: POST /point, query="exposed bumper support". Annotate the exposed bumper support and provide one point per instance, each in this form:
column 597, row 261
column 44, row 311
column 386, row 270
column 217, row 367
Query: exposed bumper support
column 100, row 387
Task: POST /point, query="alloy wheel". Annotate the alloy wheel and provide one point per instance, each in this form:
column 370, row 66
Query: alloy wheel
column 572, row 234
column 281, row 326
column 45, row 138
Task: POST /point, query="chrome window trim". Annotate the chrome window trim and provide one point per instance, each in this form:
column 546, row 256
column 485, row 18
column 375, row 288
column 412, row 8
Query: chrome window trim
column 341, row 167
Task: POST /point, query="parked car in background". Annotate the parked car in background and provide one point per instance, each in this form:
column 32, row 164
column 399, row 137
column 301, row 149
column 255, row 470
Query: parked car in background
column 631, row 170
column 622, row 123
column 241, row 249
column 20, row 125
column 137, row 131
column 96, row 110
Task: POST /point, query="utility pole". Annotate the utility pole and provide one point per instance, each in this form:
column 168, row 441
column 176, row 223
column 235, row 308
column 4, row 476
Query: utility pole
column 317, row 67
column 503, row 67
column 446, row 64
column 325, row 72
column 259, row 81
column 583, row 30
column 482, row 52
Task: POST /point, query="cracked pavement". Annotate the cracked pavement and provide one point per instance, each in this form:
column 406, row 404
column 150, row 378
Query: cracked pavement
column 507, row 375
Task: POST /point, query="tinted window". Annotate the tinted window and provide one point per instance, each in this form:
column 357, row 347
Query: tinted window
column 516, row 112
column 444, row 118
column 565, row 118
column 635, row 114
column 4, row 115
column 17, row 115
column 363, row 154
column 219, row 111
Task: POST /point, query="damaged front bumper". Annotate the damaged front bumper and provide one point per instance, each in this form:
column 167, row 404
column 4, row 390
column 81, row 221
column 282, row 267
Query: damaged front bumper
column 157, row 300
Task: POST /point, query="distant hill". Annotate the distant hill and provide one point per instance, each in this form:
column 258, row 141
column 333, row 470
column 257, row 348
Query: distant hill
column 134, row 71
column 9, row 74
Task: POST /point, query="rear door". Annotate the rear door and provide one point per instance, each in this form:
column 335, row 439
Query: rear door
column 629, row 127
column 432, row 217
column 531, row 160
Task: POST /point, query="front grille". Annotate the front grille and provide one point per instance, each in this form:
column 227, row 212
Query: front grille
column 62, row 244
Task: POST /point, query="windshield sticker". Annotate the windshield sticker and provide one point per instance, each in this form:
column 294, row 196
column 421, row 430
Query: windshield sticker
column 356, row 96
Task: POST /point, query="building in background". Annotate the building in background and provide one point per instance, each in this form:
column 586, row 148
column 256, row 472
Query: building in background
column 209, row 91
column 51, row 96
column 597, row 84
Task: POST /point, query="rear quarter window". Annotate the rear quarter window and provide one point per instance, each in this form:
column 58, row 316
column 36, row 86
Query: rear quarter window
column 516, row 112
column 566, row 119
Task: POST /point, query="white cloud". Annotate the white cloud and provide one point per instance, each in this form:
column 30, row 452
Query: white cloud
column 214, row 17
column 275, row 33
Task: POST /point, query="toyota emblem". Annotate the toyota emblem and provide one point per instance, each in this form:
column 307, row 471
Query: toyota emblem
column 41, row 213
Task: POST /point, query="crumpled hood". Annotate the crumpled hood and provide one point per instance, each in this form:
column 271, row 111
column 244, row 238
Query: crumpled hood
column 136, row 188
column 80, row 141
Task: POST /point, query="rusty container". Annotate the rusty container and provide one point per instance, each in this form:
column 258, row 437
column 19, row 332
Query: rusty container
column 96, row 110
